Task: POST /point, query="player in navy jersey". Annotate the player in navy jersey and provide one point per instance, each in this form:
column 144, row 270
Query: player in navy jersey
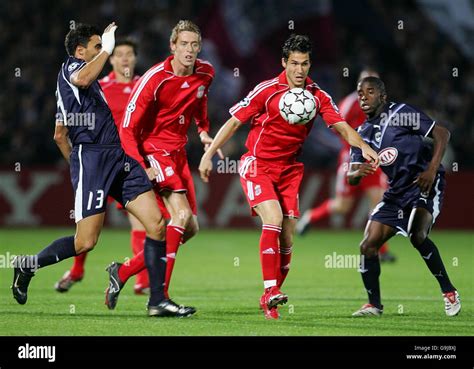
column 99, row 168
column 416, row 187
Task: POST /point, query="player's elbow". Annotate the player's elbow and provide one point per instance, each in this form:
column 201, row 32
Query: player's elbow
column 82, row 82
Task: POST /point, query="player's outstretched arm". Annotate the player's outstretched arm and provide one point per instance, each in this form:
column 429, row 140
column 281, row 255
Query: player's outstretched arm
column 224, row 134
column 440, row 141
column 84, row 77
column 61, row 137
column 358, row 171
column 352, row 137
column 206, row 140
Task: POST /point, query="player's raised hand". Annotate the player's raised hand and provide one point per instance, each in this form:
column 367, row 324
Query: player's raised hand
column 108, row 38
column 370, row 155
column 207, row 140
column 205, row 168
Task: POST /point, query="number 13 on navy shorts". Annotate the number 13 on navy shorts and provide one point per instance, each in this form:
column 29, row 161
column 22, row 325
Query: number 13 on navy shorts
column 98, row 171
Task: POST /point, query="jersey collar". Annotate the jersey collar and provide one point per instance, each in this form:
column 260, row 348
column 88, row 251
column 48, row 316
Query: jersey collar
column 168, row 68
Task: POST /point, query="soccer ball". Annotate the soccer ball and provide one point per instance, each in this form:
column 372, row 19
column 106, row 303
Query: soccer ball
column 297, row 106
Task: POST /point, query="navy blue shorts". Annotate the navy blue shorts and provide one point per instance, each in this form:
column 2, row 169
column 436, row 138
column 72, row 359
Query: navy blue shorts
column 401, row 218
column 98, row 171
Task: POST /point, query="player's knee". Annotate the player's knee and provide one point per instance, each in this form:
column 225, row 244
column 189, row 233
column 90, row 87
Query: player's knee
column 340, row 207
column 184, row 218
column 368, row 248
column 156, row 229
column 85, row 244
column 417, row 238
column 274, row 219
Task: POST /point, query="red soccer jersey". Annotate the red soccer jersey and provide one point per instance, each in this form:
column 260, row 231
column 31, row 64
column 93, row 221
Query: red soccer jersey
column 161, row 107
column 352, row 113
column 271, row 137
column 117, row 94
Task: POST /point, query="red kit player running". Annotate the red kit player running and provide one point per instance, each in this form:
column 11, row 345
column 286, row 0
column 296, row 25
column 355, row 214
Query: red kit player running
column 117, row 87
column 372, row 186
column 270, row 174
column 154, row 132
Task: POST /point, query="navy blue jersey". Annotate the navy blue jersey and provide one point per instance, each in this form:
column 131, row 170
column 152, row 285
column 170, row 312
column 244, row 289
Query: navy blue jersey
column 84, row 110
column 398, row 135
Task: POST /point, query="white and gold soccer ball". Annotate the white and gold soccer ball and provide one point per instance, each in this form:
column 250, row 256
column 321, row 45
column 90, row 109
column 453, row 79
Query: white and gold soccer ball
column 297, row 106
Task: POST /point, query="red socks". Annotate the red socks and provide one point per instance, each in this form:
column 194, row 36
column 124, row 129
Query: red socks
column 321, row 212
column 269, row 255
column 77, row 270
column 285, row 258
column 174, row 236
column 138, row 242
column 132, row 267
column 383, row 249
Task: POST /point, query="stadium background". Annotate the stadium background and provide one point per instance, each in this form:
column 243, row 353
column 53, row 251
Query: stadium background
column 421, row 48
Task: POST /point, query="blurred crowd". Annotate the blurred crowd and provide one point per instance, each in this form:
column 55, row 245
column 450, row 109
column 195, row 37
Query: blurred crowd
column 242, row 39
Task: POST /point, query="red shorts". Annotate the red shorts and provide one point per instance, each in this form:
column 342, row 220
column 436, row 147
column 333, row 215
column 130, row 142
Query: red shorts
column 263, row 181
column 344, row 189
column 173, row 175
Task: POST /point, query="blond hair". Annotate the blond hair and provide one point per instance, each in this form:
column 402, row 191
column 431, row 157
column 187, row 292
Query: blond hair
column 184, row 25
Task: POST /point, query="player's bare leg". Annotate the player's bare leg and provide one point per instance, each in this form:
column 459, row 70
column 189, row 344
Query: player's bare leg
column 375, row 195
column 87, row 234
column 271, row 214
column 338, row 205
column 286, row 246
column 420, row 227
column 191, row 230
column 137, row 239
column 375, row 235
column 182, row 222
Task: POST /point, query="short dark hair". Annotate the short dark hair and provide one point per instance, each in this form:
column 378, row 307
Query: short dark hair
column 127, row 42
column 377, row 82
column 79, row 36
column 296, row 43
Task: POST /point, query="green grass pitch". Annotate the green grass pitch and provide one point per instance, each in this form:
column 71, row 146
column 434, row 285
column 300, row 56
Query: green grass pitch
column 218, row 272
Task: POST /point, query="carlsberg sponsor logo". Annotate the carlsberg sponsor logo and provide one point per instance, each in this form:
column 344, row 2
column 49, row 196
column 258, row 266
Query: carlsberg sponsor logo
column 37, row 352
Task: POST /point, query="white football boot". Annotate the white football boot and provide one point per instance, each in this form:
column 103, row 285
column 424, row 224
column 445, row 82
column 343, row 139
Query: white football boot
column 452, row 303
column 368, row 310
